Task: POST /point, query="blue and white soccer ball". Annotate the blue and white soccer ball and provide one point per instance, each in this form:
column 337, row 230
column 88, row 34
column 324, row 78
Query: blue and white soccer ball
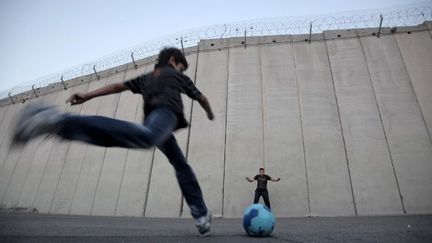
column 258, row 220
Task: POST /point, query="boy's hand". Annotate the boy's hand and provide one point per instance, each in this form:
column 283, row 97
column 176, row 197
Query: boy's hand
column 278, row 179
column 77, row 98
column 210, row 116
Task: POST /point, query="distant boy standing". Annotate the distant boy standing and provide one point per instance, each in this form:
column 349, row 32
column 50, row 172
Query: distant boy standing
column 261, row 189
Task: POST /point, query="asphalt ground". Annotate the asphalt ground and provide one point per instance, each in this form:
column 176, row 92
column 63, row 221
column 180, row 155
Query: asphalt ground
column 27, row 227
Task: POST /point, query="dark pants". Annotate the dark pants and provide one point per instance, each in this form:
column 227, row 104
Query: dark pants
column 156, row 130
column 264, row 194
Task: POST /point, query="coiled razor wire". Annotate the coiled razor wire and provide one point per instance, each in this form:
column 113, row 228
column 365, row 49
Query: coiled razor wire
column 407, row 15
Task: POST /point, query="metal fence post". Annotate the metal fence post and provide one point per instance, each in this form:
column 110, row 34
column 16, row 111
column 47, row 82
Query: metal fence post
column 10, row 97
column 94, row 69
column 64, row 85
column 245, row 38
column 380, row 26
column 181, row 42
column 310, row 32
column 133, row 60
column 34, row 91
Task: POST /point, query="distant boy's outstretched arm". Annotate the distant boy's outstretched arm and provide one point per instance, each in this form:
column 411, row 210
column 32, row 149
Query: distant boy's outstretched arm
column 203, row 101
column 274, row 180
column 79, row 98
column 249, row 179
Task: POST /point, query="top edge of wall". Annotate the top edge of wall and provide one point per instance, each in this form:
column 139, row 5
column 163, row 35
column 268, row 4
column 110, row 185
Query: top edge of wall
column 213, row 45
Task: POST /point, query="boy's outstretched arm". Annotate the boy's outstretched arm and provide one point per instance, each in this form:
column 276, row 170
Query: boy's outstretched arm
column 249, row 179
column 79, row 98
column 203, row 101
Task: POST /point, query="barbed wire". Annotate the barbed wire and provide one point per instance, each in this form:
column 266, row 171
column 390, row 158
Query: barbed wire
column 407, row 15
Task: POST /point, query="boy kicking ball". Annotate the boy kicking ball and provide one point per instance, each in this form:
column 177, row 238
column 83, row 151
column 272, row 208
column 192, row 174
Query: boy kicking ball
column 163, row 109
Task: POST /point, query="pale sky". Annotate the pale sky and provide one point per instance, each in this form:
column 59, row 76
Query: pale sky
column 41, row 37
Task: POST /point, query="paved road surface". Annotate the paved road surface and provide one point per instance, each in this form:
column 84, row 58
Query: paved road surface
column 24, row 227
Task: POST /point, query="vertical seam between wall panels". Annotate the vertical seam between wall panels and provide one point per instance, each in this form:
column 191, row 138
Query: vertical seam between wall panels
column 61, row 172
column 226, row 125
column 78, row 179
column 121, row 182
column 105, row 151
column 301, row 129
column 2, row 197
column 126, row 158
column 190, row 125
column 342, row 130
column 262, row 107
column 414, row 92
column 149, row 182
column 382, row 124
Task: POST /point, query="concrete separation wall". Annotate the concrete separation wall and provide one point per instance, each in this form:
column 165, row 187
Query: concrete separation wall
column 345, row 121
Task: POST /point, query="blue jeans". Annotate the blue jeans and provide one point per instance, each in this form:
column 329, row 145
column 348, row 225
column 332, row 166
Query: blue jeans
column 157, row 130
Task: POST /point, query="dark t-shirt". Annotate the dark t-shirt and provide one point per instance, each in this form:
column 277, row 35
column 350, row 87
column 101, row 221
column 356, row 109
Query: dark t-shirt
column 164, row 90
column 262, row 181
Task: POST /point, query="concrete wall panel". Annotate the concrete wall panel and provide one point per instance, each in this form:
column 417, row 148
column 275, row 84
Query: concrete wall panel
column 207, row 138
column 3, row 111
column 283, row 140
column 244, row 131
column 416, row 50
column 326, row 160
column 94, row 157
column 69, row 178
column 5, row 128
column 54, row 166
column 134, row 185
column 11, row 155
column 33, row 159
column 370, row 164
column 110, row 180
column 409, row 143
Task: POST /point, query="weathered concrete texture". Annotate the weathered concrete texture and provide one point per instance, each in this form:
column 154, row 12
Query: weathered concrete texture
column 207, row 138
column 408, row 140
column 89, row 175
column 74, row 160
column 164, row 198
column 28, row 159
column 11, row 156
column 326, row 160
column 114, row 161
column 5, row 129
column 416, row 50
column 35, row 164
column 136, row 175
column 374, row 184
column 54, row 166
column 283, row 141
column 244, row 131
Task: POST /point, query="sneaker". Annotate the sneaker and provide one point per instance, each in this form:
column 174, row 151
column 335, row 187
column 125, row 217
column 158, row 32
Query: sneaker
column 204, row 224
column 35, row 120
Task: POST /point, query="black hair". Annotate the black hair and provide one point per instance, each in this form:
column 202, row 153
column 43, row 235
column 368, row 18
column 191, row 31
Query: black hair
column 168, row 52
column 261, row 168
